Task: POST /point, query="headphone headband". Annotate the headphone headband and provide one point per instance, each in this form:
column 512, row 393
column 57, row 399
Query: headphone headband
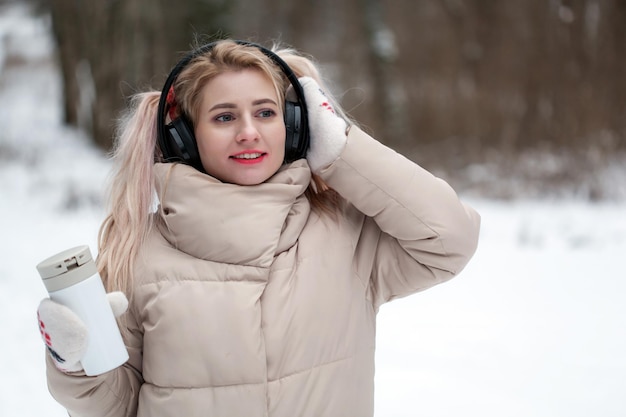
column 296, row 147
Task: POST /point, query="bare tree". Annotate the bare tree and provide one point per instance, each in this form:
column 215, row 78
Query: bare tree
column 110, row 49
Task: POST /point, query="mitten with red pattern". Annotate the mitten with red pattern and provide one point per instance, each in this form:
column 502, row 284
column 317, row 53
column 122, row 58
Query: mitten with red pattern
column 65, row 334
column 327, row 130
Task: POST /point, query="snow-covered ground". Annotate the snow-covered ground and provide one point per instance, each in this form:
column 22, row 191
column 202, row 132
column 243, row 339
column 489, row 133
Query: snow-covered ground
column 534, row 327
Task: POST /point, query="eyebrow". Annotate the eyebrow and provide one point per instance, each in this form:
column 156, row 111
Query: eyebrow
column 233, row 106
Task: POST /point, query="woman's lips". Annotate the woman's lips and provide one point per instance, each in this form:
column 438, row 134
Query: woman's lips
column 249, row 157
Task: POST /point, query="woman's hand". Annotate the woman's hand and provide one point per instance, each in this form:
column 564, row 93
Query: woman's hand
column 327, row 130
column 65, row 334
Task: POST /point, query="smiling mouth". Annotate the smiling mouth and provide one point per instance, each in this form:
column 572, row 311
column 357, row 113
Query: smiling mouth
column 248, row 156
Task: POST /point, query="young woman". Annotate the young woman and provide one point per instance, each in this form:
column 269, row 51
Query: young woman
column 255, row 278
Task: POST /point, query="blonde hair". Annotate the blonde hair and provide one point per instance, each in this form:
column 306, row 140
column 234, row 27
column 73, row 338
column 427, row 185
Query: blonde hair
column 131, row 194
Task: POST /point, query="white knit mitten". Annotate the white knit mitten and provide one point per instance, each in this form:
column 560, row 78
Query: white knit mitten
column 65, row 334
column 327, row 130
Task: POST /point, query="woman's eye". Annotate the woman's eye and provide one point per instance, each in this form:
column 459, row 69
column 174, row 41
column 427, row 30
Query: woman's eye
column 224, row 118
column 266, row 113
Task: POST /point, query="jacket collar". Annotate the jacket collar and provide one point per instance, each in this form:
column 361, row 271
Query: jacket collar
column 229, row 223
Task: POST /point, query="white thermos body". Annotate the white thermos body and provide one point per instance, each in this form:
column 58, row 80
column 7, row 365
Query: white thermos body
column 72, row 279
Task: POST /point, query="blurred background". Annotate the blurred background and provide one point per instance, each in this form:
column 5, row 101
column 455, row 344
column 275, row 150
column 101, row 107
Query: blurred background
column 501, row 97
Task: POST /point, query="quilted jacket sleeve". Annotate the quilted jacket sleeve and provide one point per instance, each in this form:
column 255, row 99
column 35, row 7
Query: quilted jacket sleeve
column 113, row 394
column 417, row 232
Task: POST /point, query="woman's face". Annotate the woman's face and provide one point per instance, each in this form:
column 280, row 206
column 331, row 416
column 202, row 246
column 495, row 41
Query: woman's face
column 240, row 128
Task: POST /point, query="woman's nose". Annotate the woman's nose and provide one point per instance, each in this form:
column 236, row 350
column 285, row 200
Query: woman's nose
column 247, row 130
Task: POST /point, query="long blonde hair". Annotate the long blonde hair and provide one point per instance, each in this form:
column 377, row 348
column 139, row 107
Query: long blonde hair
column 131, row 193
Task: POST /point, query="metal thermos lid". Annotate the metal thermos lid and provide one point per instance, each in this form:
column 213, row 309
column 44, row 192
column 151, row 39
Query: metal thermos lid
column 67, row 268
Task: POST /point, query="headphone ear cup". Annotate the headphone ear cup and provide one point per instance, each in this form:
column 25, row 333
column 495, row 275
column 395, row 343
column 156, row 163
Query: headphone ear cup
column 182, row 143
column 293, row 127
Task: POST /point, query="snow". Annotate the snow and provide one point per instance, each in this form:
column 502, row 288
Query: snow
column 534, row 326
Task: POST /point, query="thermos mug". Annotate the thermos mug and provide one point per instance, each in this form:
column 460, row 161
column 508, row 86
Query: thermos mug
column 72, row 279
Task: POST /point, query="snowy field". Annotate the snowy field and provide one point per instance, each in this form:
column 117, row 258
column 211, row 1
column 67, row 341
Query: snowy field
column 534, row 327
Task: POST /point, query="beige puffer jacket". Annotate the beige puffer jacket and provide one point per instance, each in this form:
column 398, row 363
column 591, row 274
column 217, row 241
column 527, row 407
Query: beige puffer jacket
column 246, row 303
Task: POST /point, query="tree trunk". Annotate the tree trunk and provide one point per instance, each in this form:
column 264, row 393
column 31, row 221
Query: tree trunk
column 109, row 50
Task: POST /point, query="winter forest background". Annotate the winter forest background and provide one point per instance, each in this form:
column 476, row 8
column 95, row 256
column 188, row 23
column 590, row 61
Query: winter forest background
column 520, row 105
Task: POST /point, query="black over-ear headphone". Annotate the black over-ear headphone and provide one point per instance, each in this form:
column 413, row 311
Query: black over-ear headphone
column 178, row 142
